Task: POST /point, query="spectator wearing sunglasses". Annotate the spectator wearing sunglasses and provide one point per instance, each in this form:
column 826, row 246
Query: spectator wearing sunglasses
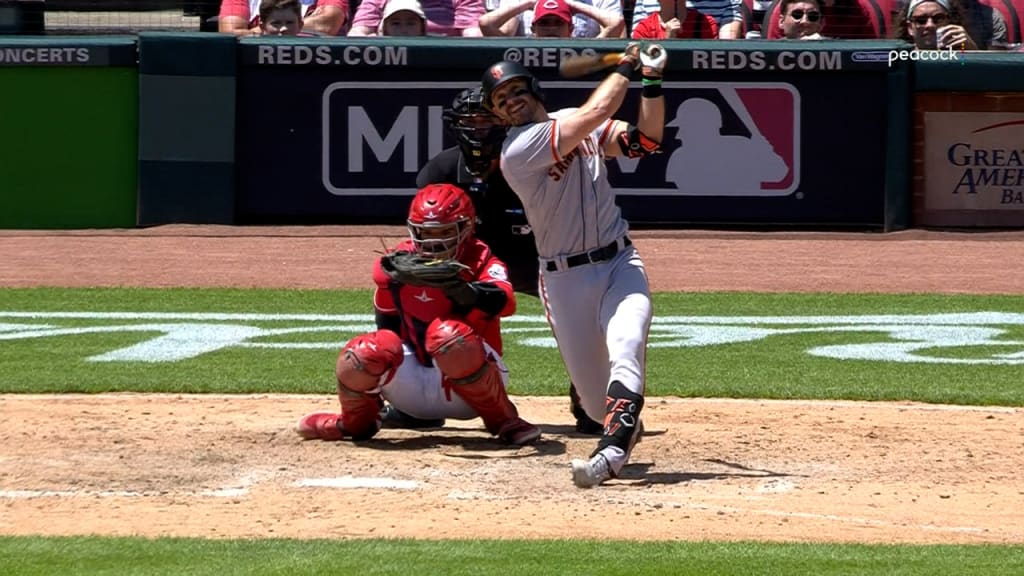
column 933, row 25
column 985, row 25
column 846, row 19
column 675, row 20
column 801, row 20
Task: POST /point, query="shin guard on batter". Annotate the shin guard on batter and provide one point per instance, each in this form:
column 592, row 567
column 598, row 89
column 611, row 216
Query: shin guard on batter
column 621, row 420
column 365, row 364
column 459, row 353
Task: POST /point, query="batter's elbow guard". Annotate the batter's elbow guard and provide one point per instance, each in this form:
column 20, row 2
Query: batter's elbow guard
column 636, row 144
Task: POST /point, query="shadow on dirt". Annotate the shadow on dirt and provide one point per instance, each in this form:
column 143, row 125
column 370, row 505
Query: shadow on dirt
column 640, row 472
column 474, row 447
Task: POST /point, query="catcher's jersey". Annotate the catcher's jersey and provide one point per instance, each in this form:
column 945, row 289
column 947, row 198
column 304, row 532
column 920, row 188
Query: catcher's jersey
column 568, row 201
column 418, row 306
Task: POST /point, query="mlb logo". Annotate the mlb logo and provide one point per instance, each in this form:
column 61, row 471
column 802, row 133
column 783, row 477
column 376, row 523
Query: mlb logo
column 722, row 139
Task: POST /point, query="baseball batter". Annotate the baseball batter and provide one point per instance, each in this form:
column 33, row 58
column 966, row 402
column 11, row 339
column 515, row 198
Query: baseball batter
column 593, row 284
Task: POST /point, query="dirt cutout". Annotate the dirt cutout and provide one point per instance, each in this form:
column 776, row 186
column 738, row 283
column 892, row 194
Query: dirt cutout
column 231, row 466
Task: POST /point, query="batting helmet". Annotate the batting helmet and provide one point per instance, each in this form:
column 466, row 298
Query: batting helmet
column 441, row 220
column 478, row 132
column 501, row 73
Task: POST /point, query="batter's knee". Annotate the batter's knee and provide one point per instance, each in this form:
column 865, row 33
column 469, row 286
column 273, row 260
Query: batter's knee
column 456, row 348
column 368, row 362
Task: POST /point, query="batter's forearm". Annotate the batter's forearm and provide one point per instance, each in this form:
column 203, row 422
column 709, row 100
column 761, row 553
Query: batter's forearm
column 608, row 96
column 651, row 121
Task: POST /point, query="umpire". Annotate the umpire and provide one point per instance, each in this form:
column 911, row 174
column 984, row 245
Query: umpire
column 473, row 166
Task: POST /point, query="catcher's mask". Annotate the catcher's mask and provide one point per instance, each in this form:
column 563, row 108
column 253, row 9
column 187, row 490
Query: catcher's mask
column 441, row 219
column 478, row 132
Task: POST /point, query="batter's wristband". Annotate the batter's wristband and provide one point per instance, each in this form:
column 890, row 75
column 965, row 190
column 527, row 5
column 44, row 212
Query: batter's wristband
column 652, row 90
column 626, row 69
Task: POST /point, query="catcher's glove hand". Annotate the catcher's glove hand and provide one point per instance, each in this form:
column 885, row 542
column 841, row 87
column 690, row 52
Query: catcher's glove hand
column 412, row 269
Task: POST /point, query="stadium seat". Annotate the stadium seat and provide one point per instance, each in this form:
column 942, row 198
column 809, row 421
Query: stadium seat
column 1012, row 14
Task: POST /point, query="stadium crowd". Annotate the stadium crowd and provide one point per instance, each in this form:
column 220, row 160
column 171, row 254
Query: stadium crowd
column 927, row 24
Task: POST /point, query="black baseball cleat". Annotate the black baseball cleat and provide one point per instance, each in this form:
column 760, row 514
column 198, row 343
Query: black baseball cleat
column 584, row 425
column 392, row 417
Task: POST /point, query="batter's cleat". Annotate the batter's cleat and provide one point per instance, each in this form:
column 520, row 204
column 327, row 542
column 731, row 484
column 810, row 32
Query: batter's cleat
column 519, row 432
column 392, row 417
column 320, row 425
column 590, row 473
column 584, row 424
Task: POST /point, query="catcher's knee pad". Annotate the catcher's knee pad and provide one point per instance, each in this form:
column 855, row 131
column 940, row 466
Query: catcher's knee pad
column 456, row 349
column 368, row 362
column 622, row 415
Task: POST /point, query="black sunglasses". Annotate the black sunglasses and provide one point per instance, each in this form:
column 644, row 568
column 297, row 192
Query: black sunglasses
column 939, row 19
column 812, row 16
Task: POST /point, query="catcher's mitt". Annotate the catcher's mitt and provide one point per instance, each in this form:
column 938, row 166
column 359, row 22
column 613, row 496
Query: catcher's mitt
column 413, row 269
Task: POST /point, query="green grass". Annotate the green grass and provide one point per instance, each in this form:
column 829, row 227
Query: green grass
column 101, row 556
column 777, row 367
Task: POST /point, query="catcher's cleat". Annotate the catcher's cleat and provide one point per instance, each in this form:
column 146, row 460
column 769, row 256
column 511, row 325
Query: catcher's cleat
column 584, row 424
column 519, row 432
column 392, row 417
column 590, row 473
column 320, row 425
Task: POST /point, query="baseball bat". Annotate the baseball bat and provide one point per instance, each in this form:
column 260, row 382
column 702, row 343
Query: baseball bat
column 583, row 64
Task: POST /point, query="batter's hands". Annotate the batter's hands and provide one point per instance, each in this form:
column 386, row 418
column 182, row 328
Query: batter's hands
column 631, row 55
column 653, row 59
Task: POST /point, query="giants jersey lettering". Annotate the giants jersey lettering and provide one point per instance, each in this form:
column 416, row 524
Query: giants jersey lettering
column 418, row 306
column 568, row 201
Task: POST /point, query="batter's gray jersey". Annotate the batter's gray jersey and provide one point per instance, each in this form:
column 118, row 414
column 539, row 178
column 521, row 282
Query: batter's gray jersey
column 568, row 201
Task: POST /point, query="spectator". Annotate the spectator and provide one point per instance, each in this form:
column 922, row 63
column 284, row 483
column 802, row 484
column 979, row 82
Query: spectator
column 553, row 19
column 675, row 20
column 801, row 19
column 985, row 25
column 444, row 17
column 933, row 25
column 728, row 14
column 403, row 18
column 280, row 17
column 846, row 19
column 242, row 17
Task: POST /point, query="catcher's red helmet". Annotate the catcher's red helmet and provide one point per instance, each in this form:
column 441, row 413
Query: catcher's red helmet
column 441, row 219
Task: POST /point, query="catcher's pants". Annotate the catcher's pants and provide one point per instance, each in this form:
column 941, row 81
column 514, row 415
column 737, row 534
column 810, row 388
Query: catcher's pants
column 416, row 389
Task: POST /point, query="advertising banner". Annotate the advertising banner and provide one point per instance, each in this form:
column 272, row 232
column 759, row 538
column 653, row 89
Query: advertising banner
column 334, row 143
column 974, row 161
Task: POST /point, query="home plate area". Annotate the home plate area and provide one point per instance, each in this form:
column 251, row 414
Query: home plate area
column 233, row 467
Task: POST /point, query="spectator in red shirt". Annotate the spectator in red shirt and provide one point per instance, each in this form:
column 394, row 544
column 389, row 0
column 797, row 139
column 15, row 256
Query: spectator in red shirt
column 675, row 20
column 551, row 19
column 242, row 17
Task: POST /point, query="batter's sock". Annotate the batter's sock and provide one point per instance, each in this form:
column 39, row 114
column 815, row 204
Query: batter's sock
column 622, row 414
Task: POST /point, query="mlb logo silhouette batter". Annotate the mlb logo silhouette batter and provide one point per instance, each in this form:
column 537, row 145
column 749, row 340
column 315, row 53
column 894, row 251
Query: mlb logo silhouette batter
column 734, row 140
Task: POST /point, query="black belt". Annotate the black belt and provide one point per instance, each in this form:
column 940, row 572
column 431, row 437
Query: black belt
column 596, row 255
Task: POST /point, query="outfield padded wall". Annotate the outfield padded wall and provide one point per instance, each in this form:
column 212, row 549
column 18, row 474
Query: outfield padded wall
column 68, row 132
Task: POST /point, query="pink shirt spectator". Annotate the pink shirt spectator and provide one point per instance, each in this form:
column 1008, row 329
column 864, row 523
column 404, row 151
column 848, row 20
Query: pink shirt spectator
column 444, row 17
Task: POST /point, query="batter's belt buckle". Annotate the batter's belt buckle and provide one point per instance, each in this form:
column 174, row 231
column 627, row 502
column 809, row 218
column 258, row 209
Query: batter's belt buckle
column 522, row 230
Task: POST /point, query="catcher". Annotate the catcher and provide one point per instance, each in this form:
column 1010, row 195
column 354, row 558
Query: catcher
column 437, row 350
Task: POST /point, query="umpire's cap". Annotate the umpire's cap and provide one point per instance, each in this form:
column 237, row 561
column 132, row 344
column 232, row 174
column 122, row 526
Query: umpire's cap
column 501, row 73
